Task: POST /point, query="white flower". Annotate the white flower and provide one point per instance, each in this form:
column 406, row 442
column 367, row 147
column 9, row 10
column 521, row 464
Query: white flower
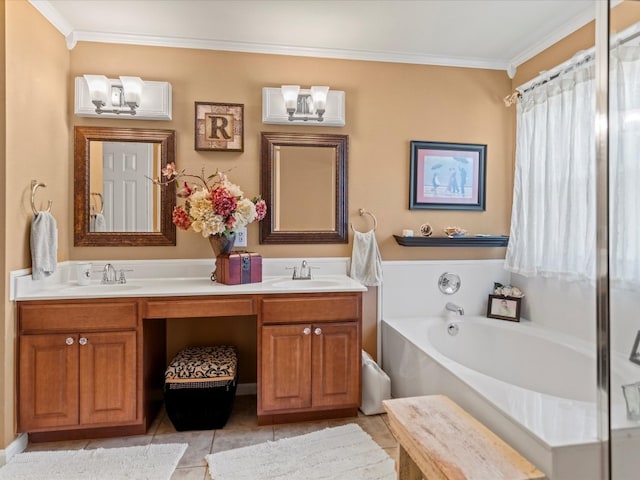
column 244, row 214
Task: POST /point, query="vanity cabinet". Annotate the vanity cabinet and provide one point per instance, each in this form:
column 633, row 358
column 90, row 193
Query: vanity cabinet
column 77, row 365
column 95, row 366
column 309, row 361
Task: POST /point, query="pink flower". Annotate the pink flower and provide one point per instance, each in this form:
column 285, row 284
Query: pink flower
column 224, row 203
column 181, row 218
column 261, row 209
column 185, row 191
column 170, row 171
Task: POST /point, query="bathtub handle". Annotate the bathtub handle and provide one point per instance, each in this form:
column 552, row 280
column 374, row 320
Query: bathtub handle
column 318, row 331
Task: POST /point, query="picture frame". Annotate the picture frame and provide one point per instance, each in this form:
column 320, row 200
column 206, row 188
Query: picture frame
column 447, row 176
column 504, row 308
column 219, row 127
column 635, row 351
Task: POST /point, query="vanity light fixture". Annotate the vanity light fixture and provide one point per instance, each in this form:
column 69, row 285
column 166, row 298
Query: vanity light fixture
column 318, row 105
column 121, row 97
column 124, row 97
column 309, row 106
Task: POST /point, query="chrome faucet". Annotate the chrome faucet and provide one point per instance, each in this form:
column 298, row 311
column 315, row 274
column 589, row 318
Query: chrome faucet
column 454, row 308
column 109, row 275
column 303, row 274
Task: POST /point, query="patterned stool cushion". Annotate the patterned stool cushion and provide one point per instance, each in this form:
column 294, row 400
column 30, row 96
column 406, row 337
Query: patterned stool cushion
column 216, row 364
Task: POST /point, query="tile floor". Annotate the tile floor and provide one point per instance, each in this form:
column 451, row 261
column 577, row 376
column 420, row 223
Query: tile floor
column 241, row 430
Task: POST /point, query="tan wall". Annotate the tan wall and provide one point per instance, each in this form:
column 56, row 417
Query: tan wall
column 388, row 105
column 6, row 354
column 37, row 147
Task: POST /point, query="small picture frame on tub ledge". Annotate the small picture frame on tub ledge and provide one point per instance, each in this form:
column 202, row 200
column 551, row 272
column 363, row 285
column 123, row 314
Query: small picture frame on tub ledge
column 635, row 351
column 504, row 308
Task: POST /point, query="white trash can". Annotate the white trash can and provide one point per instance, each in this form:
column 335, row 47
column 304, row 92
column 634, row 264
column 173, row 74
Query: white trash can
column 376, row 386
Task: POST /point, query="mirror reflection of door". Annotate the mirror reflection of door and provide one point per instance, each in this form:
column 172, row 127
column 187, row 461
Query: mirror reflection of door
column 126, row 170
column 304, row 188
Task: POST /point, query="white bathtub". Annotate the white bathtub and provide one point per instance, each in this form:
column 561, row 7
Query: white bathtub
column 533, row 387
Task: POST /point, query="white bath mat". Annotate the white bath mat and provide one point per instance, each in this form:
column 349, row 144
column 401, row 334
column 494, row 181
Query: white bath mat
column 345, row 453
column 148, row 462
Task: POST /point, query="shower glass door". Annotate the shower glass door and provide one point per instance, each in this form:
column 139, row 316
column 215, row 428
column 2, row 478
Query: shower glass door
column 624, row 239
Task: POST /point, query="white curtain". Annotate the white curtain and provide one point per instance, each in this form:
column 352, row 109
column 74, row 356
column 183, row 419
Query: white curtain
column 624, row 167
column 553, row 225
column 553, row 215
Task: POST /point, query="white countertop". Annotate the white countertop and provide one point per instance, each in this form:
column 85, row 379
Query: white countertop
column 170, row 278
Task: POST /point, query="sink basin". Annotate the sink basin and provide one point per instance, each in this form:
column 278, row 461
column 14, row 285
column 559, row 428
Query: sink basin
column 313, row 283
column 92, row 289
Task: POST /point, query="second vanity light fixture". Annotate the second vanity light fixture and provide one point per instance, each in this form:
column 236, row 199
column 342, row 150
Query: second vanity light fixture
column 124, row 97
column 291, row 104
column 309, row 106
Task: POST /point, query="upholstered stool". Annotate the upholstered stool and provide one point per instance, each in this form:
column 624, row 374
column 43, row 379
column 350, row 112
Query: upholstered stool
column 200, row 387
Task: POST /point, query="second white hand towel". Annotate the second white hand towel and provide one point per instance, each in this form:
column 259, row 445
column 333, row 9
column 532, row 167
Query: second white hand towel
column 366, row 263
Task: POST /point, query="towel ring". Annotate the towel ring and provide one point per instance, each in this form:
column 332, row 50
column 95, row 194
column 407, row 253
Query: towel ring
column 99, row 195
column 362, row 212
column 34, row 186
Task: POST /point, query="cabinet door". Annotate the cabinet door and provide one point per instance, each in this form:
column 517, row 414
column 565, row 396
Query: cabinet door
column 286, row 367
column 48, row 376
column 336, row 365
column 107, row 377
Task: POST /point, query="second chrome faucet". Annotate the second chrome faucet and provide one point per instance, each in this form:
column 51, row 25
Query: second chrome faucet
column 304, row 273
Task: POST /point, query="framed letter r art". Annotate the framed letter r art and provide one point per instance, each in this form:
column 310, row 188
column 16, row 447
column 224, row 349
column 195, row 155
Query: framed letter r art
column 219, row 126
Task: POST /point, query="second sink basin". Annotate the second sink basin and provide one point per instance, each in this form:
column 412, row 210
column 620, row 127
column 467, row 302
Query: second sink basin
column 313, row 283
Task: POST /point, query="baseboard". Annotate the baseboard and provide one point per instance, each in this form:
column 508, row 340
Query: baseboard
column 17, row 446
column 247, row 389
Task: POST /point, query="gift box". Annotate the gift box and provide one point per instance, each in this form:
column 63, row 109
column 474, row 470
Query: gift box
column 234, row 268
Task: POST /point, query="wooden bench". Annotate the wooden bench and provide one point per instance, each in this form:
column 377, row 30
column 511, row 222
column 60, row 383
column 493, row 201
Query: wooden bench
column 438, row 440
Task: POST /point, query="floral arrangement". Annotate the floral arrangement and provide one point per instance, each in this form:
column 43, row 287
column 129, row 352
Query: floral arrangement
column 213, row 205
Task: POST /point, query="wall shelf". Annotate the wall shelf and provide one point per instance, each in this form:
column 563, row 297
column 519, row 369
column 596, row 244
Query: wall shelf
column 471, row 241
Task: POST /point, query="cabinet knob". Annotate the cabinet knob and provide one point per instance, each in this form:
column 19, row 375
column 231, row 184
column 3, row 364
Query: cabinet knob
column 306, row 331
column 318, row 331
column 69, row 341
column 82, row 341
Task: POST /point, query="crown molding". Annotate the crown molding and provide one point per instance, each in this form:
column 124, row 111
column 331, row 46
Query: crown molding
column 273, row 49
column 554, row 37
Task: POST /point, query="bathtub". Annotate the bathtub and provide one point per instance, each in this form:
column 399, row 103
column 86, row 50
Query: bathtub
column 533, row 387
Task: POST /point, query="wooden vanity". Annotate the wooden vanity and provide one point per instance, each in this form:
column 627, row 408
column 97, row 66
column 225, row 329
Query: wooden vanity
column 95, row 367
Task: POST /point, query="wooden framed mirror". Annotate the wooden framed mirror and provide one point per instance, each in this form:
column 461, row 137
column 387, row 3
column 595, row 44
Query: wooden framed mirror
column 115, row 200
column 304, row 182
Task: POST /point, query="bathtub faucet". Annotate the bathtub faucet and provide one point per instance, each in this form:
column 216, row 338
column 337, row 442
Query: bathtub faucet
column 454, row 308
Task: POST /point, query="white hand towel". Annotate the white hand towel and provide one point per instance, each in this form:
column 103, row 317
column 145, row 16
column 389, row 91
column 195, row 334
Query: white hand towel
column 366, row 264
column 44, row 245
column 99, row 223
